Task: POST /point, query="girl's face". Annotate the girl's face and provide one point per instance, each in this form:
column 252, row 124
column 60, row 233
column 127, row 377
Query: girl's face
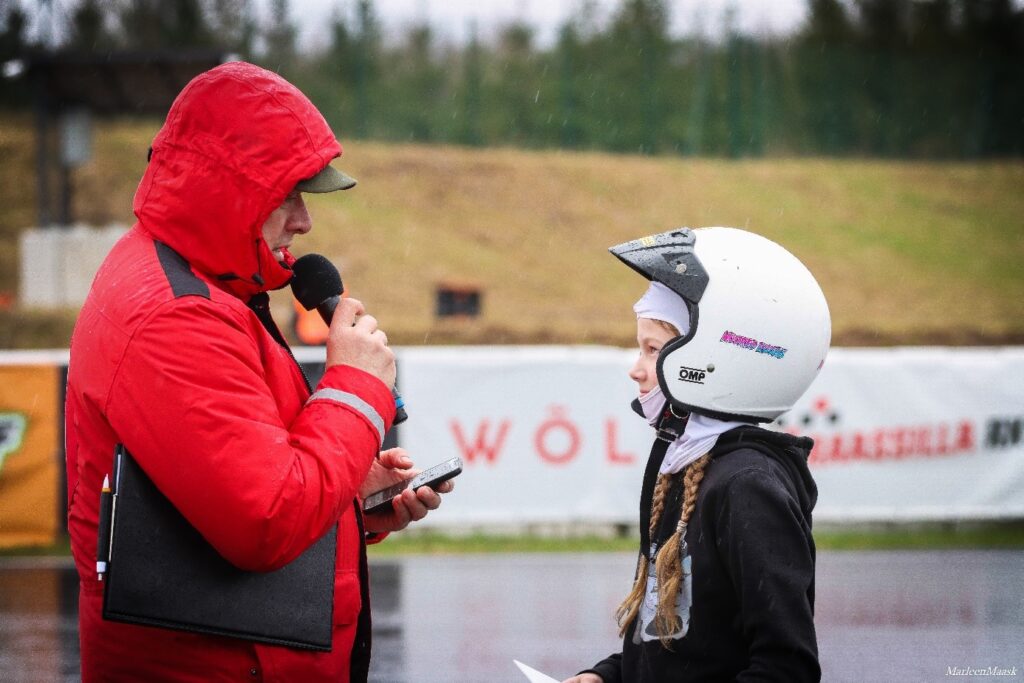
column 651, row 336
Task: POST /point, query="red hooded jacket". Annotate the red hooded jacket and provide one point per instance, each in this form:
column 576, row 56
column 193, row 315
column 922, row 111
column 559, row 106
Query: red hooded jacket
column 170, row 358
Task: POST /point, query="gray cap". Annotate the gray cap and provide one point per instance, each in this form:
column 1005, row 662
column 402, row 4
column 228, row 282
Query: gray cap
column 327, row 180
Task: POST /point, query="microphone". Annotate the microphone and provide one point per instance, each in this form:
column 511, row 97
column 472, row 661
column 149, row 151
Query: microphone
column 316, row 283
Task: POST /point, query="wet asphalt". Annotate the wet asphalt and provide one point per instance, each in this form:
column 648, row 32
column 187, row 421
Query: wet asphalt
column 880, row 615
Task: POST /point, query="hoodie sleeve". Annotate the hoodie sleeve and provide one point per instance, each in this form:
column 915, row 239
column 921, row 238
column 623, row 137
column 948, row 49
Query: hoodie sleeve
column 191, row 403
column 767, row 551
column 609, row 668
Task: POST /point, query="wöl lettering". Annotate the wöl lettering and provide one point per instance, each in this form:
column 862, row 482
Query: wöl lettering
column 557, row 440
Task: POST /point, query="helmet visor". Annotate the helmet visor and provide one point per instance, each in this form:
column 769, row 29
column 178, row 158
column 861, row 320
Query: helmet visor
column 668, row 258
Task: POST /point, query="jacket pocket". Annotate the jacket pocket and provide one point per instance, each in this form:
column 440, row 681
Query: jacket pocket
column 347, row 598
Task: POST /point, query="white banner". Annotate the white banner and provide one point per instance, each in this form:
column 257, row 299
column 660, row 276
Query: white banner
column 547, row 434
column 916, row 434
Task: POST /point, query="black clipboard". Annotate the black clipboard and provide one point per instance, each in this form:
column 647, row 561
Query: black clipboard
column 163, row 573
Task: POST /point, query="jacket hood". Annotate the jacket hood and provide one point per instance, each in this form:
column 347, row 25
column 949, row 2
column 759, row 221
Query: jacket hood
column 236, row 141
column 790, row 451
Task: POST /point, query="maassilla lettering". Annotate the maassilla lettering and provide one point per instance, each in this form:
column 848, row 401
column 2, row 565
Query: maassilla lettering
column 895, row 443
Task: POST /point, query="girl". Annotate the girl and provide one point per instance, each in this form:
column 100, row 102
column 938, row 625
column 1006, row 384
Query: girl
column 732, row 330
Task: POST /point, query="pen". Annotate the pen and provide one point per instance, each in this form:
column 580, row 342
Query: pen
column 103, row 532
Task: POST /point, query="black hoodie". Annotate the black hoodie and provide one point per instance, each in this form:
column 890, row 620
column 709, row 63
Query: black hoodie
column 752, row 613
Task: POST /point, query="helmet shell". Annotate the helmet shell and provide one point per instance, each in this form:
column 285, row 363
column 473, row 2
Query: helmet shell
column 759, row 324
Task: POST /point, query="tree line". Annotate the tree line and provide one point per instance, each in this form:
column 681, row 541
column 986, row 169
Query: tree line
column 887, row 78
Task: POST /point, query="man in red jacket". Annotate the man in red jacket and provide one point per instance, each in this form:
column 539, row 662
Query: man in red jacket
column 175, row 355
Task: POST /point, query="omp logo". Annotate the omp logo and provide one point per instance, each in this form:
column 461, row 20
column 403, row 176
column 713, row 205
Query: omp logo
column 12, row 432
column 692, row 375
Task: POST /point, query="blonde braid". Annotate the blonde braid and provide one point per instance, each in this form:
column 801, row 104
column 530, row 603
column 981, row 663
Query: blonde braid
column 658, row 502
column 668, row 568
column 627, row 611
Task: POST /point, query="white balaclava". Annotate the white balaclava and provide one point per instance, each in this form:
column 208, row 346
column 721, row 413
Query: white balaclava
column 661, row 303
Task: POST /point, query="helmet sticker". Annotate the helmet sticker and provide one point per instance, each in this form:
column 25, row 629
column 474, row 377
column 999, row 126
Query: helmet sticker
column 692, row 375
column 752, row 344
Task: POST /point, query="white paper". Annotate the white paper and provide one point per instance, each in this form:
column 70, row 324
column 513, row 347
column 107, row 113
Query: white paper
column 534, row 675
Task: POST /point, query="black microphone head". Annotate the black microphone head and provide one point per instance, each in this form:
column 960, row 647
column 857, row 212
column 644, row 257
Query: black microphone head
column 315, row 281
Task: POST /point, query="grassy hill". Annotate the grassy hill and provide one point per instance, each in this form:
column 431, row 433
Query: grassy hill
column 906, row 252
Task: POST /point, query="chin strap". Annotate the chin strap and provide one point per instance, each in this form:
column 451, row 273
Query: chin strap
column 670, row 426
column 637, row 407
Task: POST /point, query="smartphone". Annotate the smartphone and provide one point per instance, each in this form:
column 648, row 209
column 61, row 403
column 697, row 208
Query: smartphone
column 380, row 501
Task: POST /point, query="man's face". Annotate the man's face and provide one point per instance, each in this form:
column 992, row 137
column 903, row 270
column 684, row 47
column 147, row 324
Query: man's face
column 286, row 221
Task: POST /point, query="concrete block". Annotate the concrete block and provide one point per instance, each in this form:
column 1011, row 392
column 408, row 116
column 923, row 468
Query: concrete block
column 58, row 264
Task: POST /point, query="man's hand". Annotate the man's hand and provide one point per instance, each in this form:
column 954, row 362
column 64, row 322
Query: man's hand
column 584, row 678
column 359, row 343
column 390, row 468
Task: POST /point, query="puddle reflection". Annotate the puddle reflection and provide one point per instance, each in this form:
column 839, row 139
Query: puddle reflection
column 464, row 618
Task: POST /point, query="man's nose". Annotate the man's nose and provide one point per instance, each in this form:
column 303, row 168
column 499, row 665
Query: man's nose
column 298, row 219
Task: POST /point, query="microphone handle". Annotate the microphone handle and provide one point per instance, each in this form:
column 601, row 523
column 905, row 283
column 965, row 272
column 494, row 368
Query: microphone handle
column 326, row 311
column 400, row 414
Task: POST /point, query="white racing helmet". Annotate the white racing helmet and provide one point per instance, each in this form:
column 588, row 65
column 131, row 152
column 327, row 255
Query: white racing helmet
column 759, row 324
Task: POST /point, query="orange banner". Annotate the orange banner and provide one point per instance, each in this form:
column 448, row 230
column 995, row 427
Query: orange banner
column 29, row 470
